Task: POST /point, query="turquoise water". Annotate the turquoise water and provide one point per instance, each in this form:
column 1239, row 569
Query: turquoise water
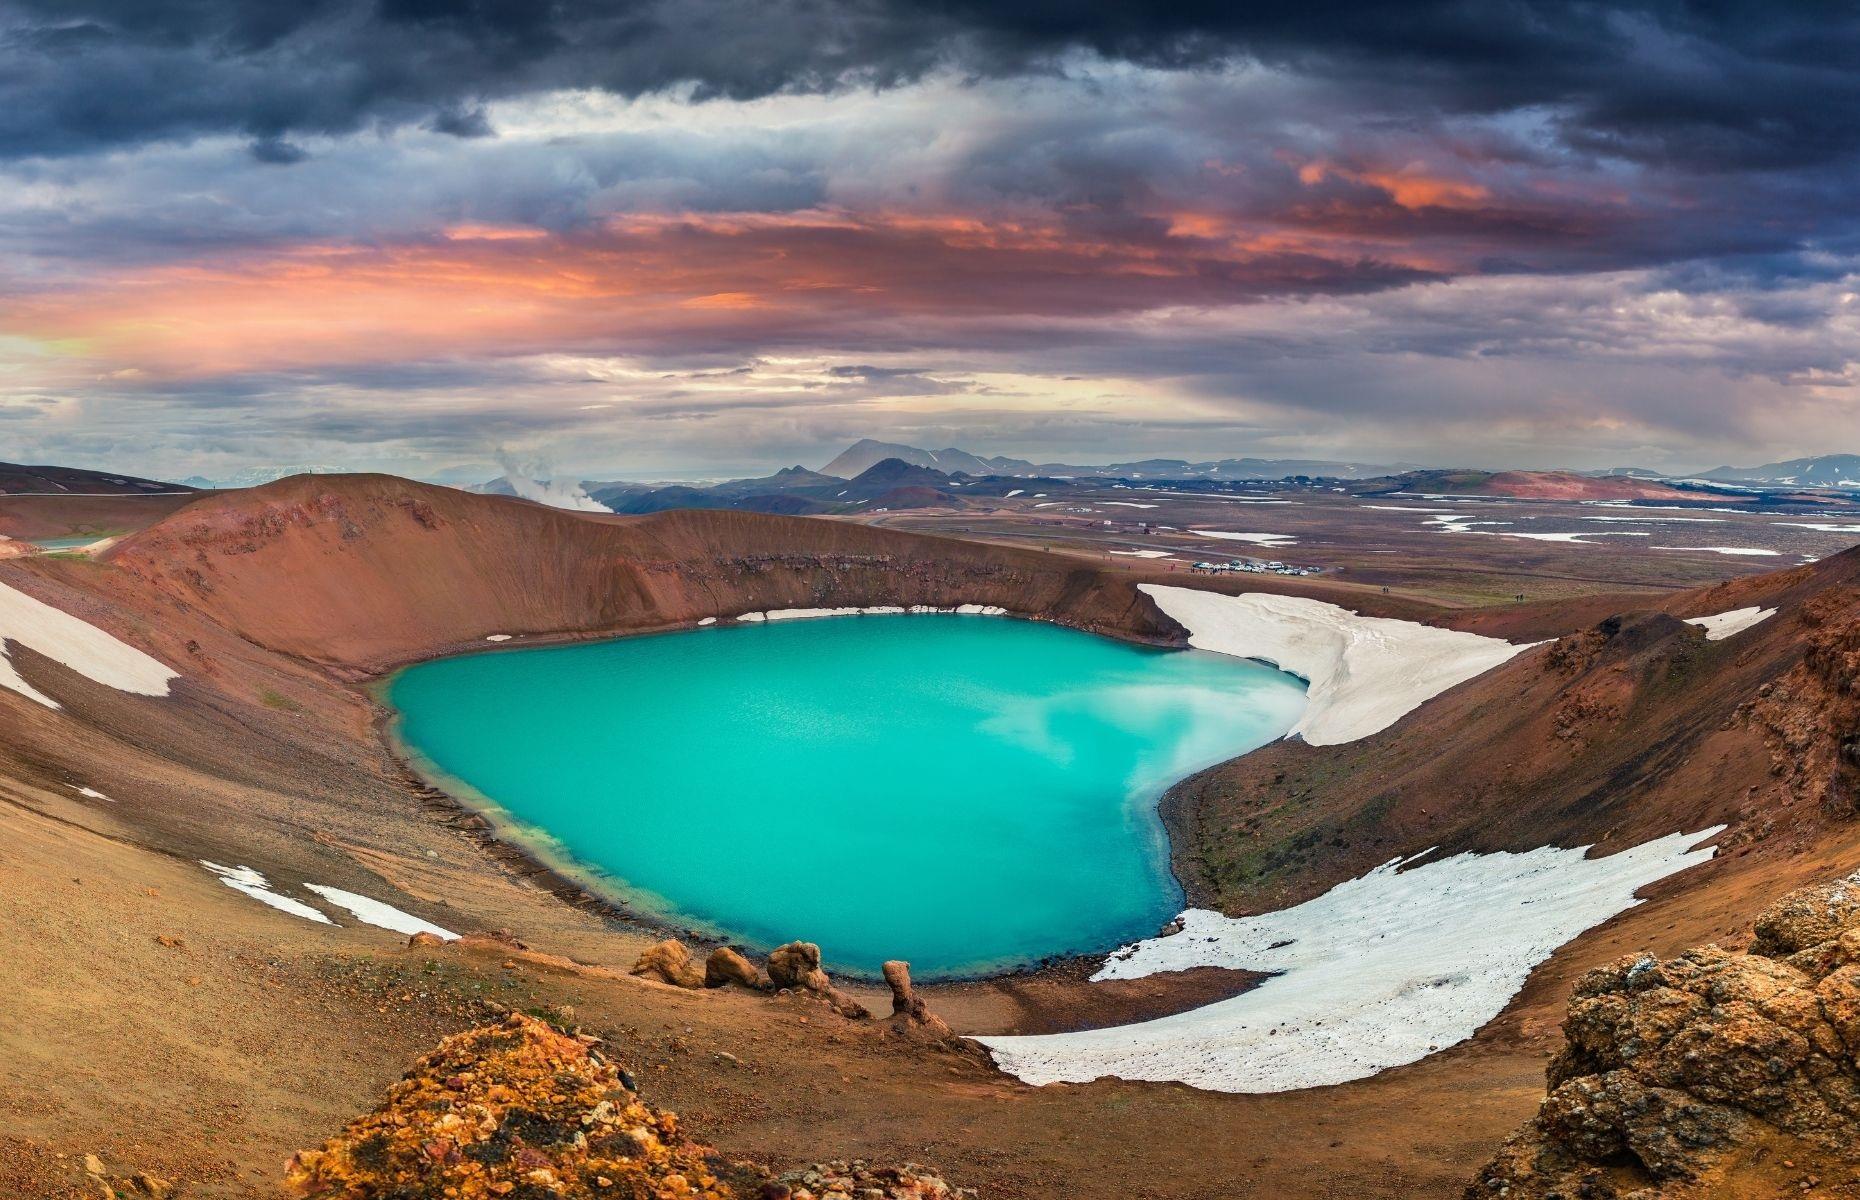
column 967, row 793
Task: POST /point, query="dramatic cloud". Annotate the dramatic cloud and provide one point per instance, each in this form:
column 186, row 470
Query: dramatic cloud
column 646, row 236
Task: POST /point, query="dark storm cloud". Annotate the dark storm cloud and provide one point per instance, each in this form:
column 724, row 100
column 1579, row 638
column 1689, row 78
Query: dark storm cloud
column 1726, row 85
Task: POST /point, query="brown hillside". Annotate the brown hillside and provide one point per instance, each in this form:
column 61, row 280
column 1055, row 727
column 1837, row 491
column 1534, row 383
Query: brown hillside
column 367, row 571
column 1633, row 728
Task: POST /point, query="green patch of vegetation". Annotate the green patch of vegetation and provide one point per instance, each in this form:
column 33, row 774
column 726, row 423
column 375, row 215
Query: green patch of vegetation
column 282, row 703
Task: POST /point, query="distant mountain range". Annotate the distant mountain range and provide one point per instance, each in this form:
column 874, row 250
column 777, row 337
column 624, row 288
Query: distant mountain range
column 866, row 453
column 255, row 476
column 1822, row 471
column 872, row 474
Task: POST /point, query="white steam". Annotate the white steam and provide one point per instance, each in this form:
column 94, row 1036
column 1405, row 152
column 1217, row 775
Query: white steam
column 556, row 493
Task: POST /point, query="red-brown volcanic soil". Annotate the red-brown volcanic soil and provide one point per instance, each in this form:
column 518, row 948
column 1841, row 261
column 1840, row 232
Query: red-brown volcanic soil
column 165, row 1022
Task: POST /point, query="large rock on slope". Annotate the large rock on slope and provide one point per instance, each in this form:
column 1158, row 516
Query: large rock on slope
column 1685, row 1078
column 796, row 965
column 669, row 962
column 515, row 1109
column 726, row 966
column 521, row 1111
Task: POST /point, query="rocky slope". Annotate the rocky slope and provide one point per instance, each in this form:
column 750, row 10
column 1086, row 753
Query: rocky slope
column 1712, row 1074
column 1630, row 729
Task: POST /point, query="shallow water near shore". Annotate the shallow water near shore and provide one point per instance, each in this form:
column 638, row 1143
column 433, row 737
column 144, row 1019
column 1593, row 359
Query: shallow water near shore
column 971, row 794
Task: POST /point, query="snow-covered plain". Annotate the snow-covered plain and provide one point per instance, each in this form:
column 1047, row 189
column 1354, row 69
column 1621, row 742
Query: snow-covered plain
column 77, row 644
column 1365, row 673
column 374, row 912
column 1257, row 539
column 1720, row 626
column 1379, row 971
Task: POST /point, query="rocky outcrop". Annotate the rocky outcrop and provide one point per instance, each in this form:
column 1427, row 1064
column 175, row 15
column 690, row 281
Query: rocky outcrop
column 515, row 1109
column 796, row 966
column 669, row 962
column 909, row 1013
column 524, row 1111
column 726, row 966
column 1681, row 1076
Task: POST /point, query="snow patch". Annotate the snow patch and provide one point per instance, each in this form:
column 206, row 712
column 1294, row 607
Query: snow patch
column 382, row 916
column 255, row 885
column 77, row 644
column 1143, row 553
column 1365, row 673
column 1751, row 551
column 496, row 637
column 1720, row 626
column 1379, row 971
column 91, row 793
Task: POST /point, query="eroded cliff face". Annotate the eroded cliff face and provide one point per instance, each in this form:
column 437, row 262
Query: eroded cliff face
column 1810, row 716
column 1712, row 1074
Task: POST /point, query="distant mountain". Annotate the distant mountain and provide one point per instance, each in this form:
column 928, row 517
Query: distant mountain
column 888, row 483
column 255, row 476
column 866, row 453
column 1822, row 471
column 18, row 480
column 862, row 455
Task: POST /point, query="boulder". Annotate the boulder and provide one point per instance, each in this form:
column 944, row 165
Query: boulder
column 726, row 966
column 1679, row 1074
column 797, row 965
column 426, row 938
column 669, row 962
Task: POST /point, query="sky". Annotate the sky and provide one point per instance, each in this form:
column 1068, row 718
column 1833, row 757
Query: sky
column 687, row 238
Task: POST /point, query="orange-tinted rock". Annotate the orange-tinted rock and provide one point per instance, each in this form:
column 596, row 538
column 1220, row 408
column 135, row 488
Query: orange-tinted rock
column 669, row 962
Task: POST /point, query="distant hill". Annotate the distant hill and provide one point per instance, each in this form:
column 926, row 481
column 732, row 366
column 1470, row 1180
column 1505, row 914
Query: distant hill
column 1821, row 471
column 862, row 455
column 19, row 480
column 1527, row 485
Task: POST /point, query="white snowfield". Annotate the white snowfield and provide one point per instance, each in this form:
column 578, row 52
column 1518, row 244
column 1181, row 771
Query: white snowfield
column 1365, row 673
column 1720, row 626
column 77, row 644
column 374, row 912
column 1379, row 971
